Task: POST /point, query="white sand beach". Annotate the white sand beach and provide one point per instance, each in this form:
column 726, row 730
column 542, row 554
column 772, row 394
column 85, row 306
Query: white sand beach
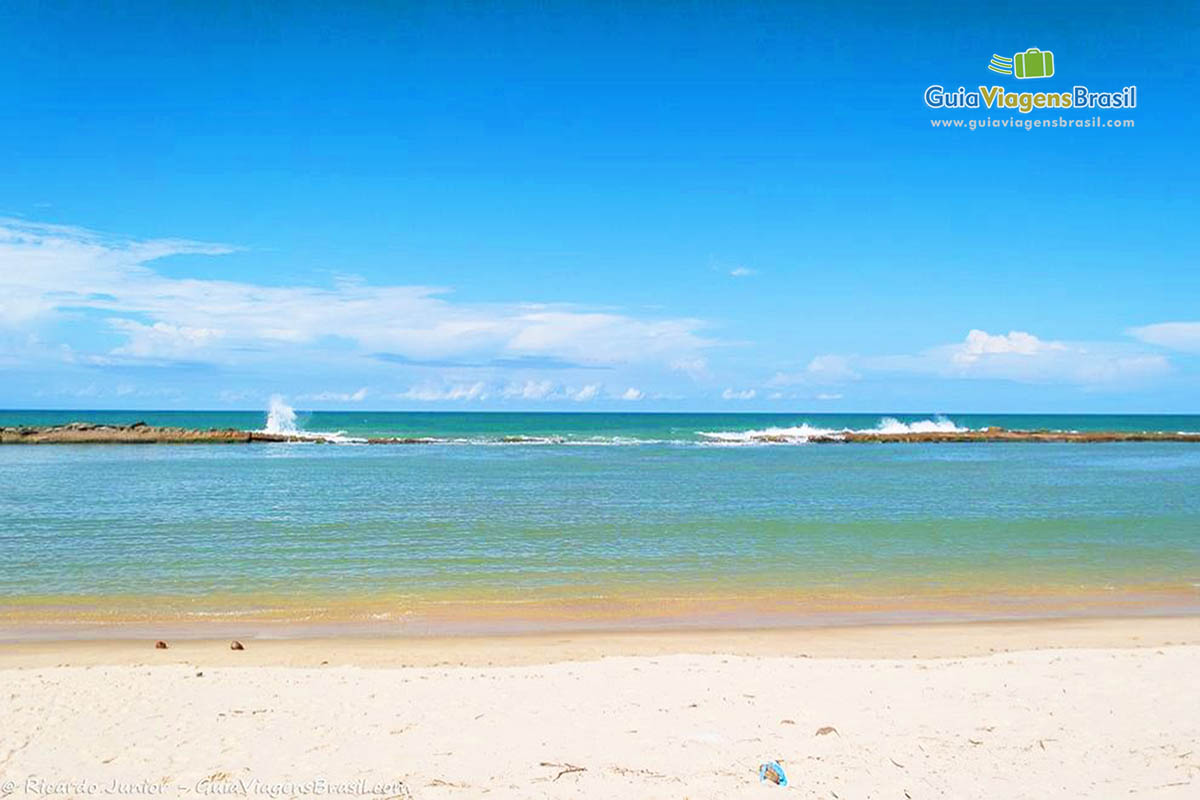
column 849, row 713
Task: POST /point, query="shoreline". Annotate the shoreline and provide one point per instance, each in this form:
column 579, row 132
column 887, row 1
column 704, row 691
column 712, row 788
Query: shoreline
column 925, row 640
column 455, row 615
column 141, row 433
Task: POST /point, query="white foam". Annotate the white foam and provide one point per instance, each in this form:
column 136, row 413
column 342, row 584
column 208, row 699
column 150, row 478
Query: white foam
column 281, row 421
column 522, row 440
column 938, row 424
column 799, row 434
column 281, row 418
column 795, row 434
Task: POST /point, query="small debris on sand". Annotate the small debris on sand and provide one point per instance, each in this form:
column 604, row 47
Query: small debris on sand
column 236, row 645
column 772, row 772
column 564, row 769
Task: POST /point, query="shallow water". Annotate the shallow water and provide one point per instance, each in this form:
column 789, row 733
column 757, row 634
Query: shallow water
column 665, row 530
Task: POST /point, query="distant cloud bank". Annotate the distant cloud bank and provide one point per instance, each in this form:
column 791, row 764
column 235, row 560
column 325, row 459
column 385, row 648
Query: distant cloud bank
column 79, row 309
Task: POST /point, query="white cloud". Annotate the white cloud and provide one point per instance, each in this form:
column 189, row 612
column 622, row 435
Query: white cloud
column 81, row 300
column 1183, row 336
column 599, row 338
column 532, row 390
column 1021, row 356
column 44, row 268
column 980, row 344
column 336, row 397
column 694, row 366
column 162, row 339
column 541, row 391
column 52, row 274
column 551, row 391
column 822, row 370
column 831, row 369
column 1017, row 356
column 432, row 394
column 589, row 392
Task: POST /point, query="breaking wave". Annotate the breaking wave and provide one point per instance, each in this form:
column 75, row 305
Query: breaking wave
column 281, row 421
column 281, row 418
column 935, row 425
column 528, row 441
column 799, row 434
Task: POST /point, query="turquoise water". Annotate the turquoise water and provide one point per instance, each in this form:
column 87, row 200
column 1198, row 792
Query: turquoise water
column 294, row 531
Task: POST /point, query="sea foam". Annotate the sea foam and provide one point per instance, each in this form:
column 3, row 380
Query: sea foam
column 281, row 418
column 799, row 434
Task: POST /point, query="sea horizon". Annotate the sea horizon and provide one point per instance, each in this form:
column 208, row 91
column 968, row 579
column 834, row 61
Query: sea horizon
column 282, row 417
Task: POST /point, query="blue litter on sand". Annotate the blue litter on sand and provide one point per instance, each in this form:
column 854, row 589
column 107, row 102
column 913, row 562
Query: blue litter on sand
column 766, row 770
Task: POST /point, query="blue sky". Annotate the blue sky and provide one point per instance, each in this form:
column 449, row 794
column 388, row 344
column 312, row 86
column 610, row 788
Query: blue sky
column 714, row 206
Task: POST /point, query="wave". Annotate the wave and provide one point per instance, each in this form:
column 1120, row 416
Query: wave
column 297, row 436
column 281, row 421
column 795, row 434
column 527, row 441
column 936, row 425
column 800, row 434
column 326, row 437
column 281, row 418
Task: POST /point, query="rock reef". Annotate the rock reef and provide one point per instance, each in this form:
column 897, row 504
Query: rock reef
column 141, row 433
column 995, row 434
column 985, row 435
column 137, row 433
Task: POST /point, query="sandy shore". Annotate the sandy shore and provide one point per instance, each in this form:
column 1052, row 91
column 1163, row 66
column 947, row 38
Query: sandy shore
column 1040, row 709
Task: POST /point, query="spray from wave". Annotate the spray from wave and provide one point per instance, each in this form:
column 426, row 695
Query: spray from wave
column 936, row 425
column 281, row 421
column 281, row 418
column 795, row 433
column 799, row 434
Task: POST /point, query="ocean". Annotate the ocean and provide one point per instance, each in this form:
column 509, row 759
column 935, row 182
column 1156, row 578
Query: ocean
column 542, row 521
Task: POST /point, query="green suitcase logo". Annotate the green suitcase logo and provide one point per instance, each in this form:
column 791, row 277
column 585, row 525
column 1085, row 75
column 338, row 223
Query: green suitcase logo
column 1033, row 63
